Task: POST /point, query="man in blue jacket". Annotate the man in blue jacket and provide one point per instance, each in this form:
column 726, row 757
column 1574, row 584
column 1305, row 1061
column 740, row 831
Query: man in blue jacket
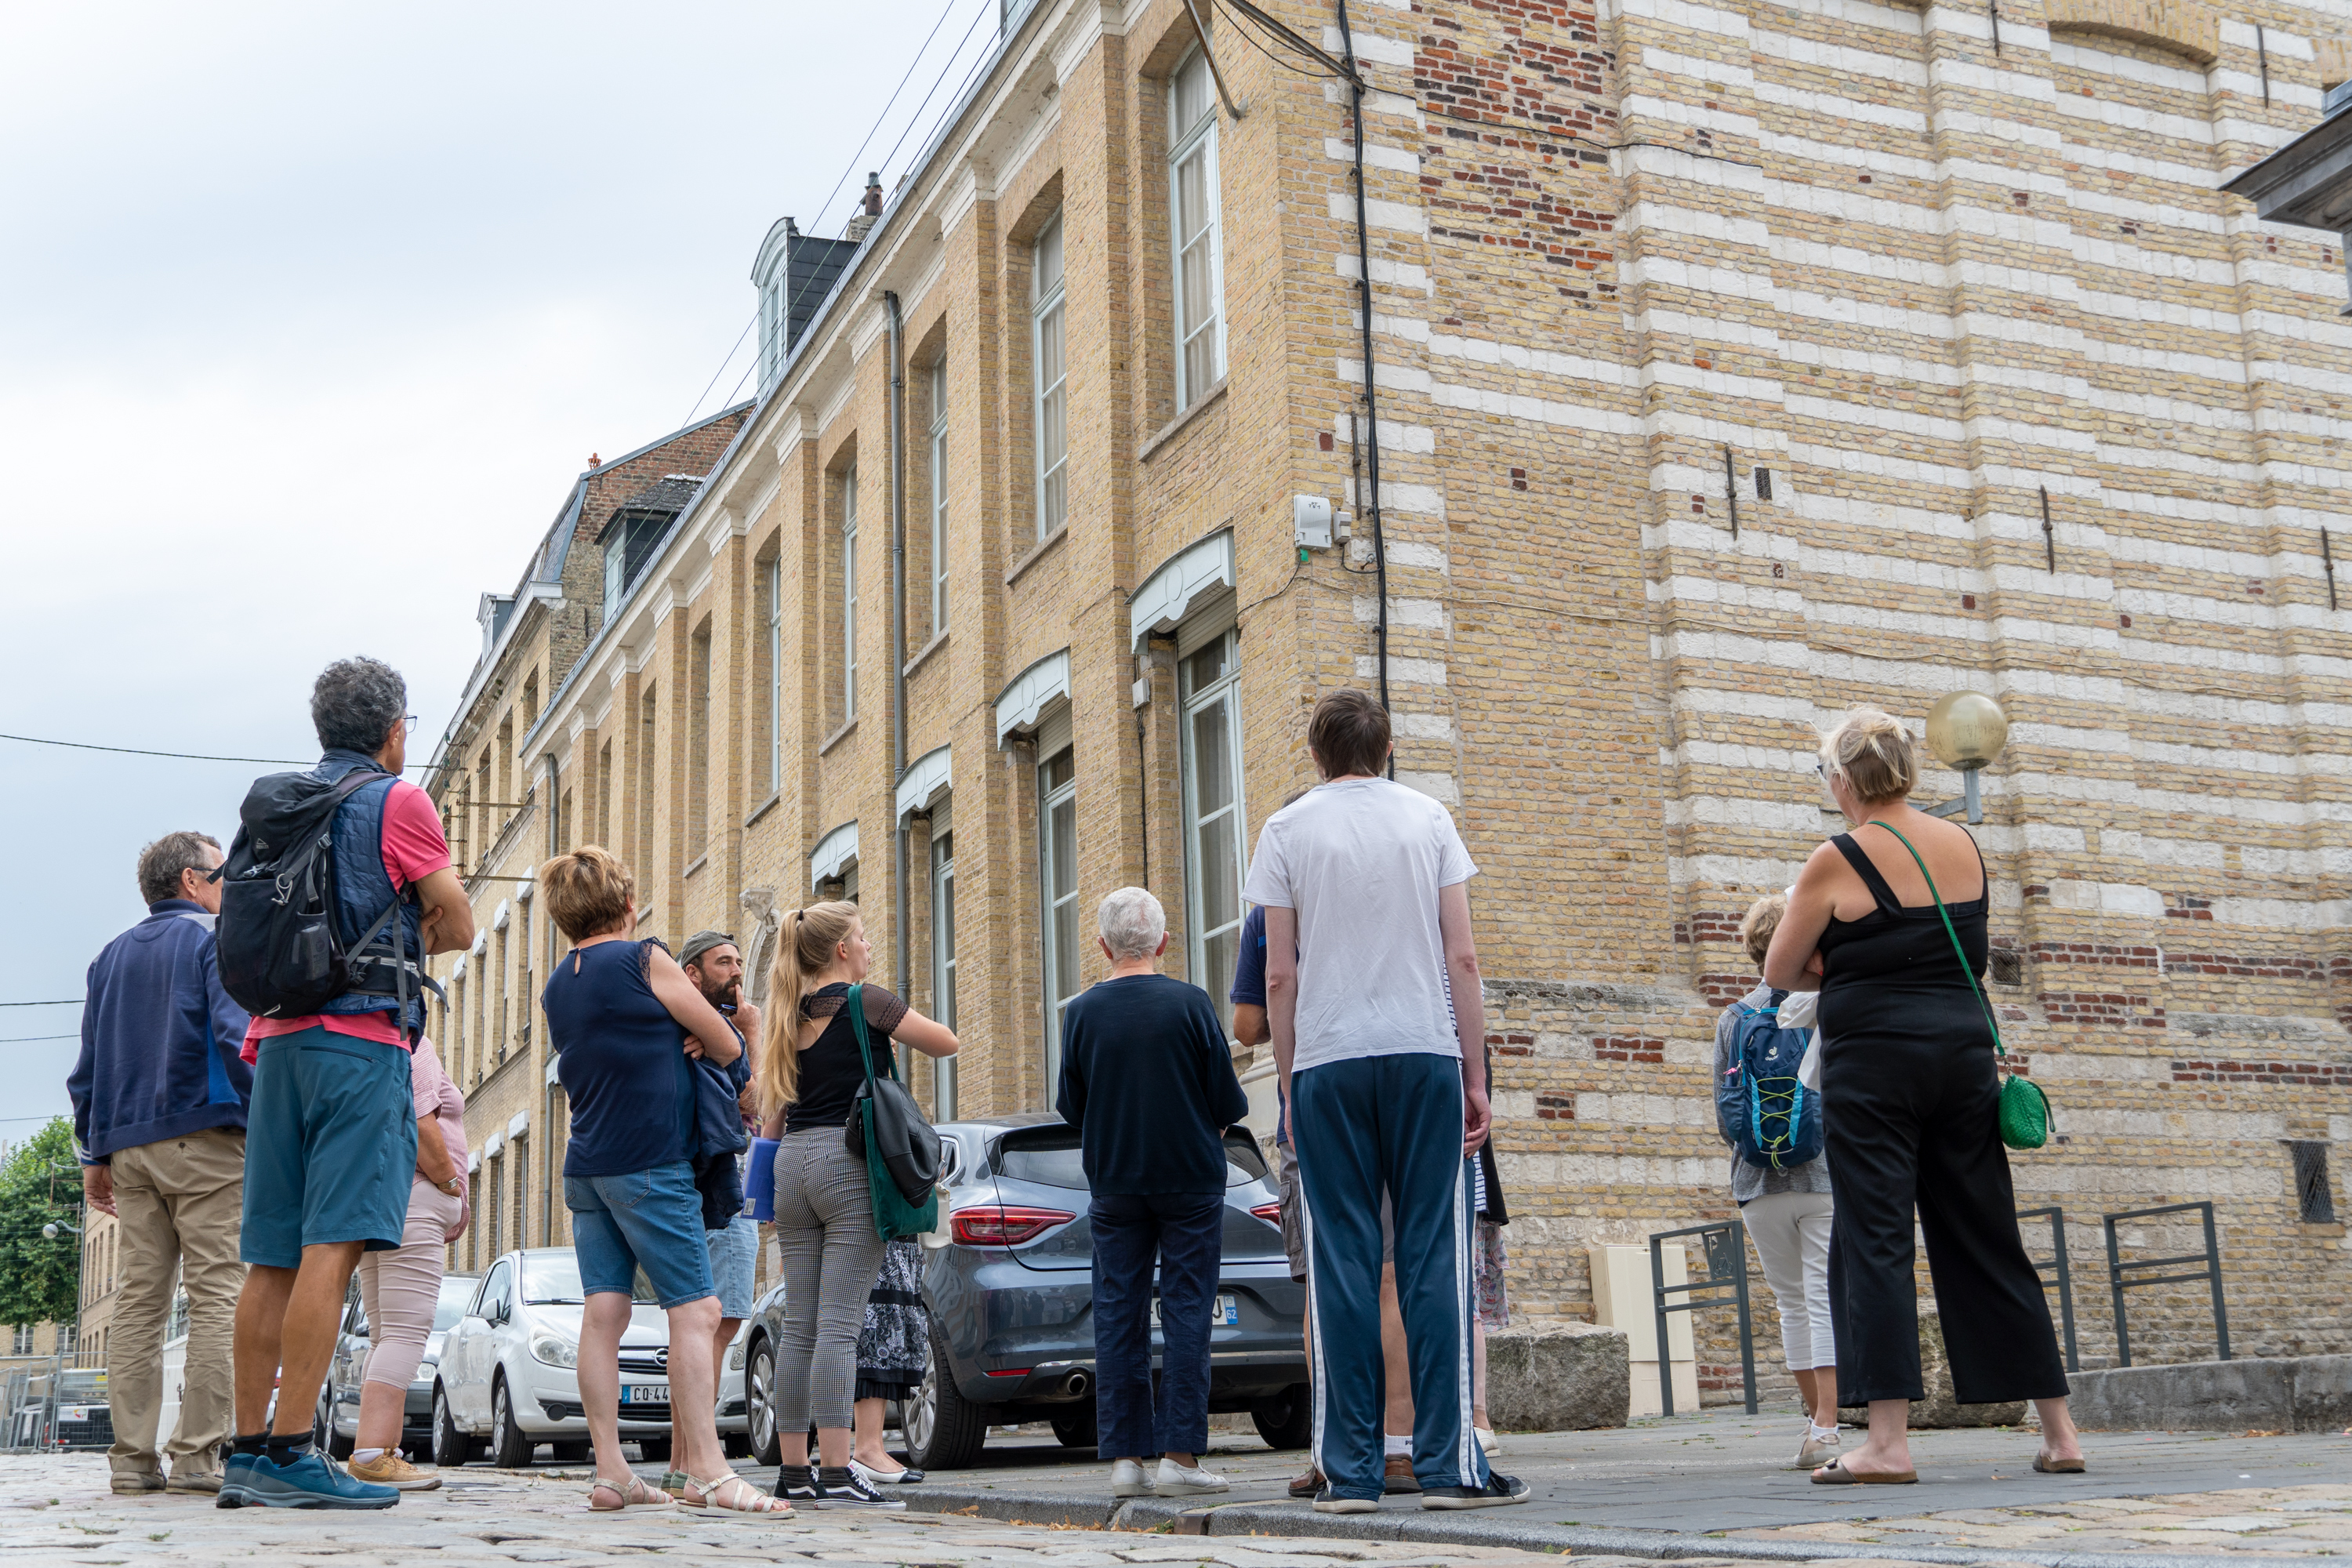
column 159, row 1099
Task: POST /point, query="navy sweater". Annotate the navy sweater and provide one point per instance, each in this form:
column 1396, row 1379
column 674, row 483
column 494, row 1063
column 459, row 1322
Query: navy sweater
column 1148, row 1081
column 158, row 1038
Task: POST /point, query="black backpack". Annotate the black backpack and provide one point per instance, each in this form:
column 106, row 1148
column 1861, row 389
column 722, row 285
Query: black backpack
column 280, row 955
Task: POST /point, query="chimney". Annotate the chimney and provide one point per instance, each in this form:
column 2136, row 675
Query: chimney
column 863, row 221
column 592, row 460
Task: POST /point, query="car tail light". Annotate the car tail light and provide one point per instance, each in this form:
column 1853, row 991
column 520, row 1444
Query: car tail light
column 1001, row 1225
column 1270, row 1213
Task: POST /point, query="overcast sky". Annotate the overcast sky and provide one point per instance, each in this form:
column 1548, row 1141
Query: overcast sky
column 308, row 317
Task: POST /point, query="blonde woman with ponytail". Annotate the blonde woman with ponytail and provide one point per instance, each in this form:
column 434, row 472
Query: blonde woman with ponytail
column 1909, row 1100
column 810, row 1071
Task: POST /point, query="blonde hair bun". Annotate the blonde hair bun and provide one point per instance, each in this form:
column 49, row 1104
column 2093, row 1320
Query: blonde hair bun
column 1872, row 753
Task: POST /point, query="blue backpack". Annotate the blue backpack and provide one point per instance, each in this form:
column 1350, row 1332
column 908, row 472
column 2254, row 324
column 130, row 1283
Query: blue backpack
column 1770, row 1117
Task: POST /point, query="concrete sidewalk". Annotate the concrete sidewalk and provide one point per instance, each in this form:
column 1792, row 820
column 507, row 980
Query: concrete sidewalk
column 1720, row 1484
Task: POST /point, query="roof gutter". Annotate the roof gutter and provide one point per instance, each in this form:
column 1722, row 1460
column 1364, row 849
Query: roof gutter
column 898, row 913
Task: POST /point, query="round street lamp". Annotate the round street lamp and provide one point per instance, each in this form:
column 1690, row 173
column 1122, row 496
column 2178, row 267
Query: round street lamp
column 1966, row 729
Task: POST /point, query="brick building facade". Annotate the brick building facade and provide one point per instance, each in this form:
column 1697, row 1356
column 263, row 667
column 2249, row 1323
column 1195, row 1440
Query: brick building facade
column 1737, row 363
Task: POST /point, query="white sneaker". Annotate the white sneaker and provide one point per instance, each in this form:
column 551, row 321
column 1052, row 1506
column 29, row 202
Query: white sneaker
column 1818, row 1448
column 1128, row 1480
column 1175, row 1480
column 1487, row 1440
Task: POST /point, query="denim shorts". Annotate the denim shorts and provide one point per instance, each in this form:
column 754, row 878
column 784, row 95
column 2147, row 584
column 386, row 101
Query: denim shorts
column 649, row 1219
column 734, row 1259
column 330, row 1148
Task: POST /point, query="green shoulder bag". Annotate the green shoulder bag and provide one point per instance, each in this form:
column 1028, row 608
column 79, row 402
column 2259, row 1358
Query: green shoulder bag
column 900, row 1148
column 2024, row 1109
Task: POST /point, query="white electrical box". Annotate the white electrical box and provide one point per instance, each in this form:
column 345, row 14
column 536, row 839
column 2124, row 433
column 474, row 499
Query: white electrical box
column 1311, row 517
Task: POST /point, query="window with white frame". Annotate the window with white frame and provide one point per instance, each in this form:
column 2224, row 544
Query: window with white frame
column 939, row 495
column 943, row 962
column 1213, row 844
column 1192, row 211
column 1049, row 370
column 849, row 594
column 1057, row 877
column 776, row 674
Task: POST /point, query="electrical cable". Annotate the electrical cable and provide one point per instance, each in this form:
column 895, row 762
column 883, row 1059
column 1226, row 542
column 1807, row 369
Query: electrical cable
column 60, row 1001
column 1247, row 37
column 182, row 756
column 28, row 1039
column 784, row 321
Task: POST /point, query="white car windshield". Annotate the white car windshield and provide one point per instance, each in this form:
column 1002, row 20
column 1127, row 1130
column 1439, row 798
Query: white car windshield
column 553, row 1280
column 456, row 1290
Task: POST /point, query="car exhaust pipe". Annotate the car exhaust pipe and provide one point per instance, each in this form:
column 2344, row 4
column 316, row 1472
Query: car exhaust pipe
column 1077, row 1384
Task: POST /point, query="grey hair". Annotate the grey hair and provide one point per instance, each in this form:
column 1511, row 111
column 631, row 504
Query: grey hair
column 161, row 863
column 356, row 703
column 1132, row 922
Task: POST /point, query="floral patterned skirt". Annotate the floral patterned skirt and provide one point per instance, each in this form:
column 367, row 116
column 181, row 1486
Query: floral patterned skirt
column 896, row 1343
column 1487, row 1261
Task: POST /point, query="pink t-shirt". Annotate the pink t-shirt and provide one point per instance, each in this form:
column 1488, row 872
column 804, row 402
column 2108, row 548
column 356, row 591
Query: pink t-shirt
column 414, row 848
column 439, row 1099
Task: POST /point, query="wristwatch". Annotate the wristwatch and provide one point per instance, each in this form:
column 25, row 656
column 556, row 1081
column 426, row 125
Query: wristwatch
column 455, row 1186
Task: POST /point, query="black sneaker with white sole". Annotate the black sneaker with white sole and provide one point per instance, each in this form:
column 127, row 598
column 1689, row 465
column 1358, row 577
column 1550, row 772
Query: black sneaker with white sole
column 1328, row 1501
column 799, row 1487
column 844, row 1488
column 1498, row 1490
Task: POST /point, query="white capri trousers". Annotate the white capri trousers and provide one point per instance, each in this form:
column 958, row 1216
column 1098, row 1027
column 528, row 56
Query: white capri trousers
column 400, row 1288
column 1792, row 1232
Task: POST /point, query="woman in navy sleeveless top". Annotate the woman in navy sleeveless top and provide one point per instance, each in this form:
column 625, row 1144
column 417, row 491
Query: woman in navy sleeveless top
column 1910, row 1100
column 624, row 1018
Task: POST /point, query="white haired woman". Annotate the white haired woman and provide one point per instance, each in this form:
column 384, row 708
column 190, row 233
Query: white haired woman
column 1909, row 1097
column 1148, row 1081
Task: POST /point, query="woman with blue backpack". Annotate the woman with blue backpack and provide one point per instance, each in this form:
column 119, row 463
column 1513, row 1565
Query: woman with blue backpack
column 1773, row 1124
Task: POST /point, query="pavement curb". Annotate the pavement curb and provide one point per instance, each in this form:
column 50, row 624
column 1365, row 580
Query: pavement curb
column 1241, row 1518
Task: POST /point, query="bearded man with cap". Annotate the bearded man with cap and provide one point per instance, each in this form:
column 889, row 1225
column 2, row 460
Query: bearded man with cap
column 713, row 962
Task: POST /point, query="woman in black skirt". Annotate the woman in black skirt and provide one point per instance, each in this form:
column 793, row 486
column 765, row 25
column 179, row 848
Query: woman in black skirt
column 1910, row 1097
column 892, row 1352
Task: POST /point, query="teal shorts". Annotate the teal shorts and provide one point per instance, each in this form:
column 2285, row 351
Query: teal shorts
column 330, row 1146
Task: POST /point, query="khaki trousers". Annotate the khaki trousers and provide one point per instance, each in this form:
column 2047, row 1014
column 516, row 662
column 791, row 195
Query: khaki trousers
column 180, row 1201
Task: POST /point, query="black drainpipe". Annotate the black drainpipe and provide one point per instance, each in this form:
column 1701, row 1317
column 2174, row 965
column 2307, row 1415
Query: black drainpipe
column 1369, row 502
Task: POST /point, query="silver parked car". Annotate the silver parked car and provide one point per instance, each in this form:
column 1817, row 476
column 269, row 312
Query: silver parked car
column 338, row 1427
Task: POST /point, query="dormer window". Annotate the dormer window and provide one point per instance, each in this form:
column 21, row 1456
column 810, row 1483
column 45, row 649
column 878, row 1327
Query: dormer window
column 629, row 542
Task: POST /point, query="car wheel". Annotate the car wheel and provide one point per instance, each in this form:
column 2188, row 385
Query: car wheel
column 337, row 1445
column 759, row 1404
column 511, row 1449
column 450, row 1447
column 944, row 1430
column 654, row 1450
column 1287, row 1420
column 1074, row 1425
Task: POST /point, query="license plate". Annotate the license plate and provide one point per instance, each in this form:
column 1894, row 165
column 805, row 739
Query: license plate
column 646, row 1394
column 1227, row 1313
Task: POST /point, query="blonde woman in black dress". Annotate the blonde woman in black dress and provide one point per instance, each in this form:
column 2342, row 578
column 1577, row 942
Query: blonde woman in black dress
column 1909, row 1098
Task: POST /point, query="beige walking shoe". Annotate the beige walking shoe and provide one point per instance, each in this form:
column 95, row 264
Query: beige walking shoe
column 187, row 1480
column 390, row 1469
column 134, row 1483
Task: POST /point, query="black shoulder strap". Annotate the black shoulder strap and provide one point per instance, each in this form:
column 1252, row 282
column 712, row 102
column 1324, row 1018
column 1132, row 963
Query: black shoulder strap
column 1880, row 893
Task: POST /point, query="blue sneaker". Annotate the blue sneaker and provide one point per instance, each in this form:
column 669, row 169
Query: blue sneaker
column 308, row 1482
column 234, row 1473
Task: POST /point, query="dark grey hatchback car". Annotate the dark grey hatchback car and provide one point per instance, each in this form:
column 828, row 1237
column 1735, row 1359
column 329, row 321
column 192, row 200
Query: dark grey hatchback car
column 1010, row 1294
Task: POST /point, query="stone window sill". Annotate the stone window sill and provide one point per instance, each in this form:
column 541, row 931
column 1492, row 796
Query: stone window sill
column 836, row 739
column 1042, row 548
column 699, row 862
column 1169, row 431
column 762, row 809
column 924, row 653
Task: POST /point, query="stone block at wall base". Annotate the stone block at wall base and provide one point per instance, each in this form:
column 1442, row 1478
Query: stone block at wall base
column 1558, row 1377
column 2268, row 1394
column 1940, row 1408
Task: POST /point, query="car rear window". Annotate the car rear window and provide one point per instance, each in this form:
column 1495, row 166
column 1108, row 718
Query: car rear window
column 1049, row 1157
column 456, row 1290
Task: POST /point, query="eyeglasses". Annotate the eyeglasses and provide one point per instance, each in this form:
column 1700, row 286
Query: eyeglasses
column 408, row 723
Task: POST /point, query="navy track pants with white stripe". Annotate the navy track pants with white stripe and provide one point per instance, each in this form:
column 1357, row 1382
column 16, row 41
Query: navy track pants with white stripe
column 1358, row 1127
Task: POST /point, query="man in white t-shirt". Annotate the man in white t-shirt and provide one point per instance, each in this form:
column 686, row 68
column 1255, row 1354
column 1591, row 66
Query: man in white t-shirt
column 1364, row 884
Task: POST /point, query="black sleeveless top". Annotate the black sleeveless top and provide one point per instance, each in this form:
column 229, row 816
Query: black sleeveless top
column 830, row 1070
column 1892, row 971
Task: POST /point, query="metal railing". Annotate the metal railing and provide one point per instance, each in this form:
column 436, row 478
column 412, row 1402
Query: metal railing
column 2123, row 1275
column 1723, row 1248
column 2055, row 1271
